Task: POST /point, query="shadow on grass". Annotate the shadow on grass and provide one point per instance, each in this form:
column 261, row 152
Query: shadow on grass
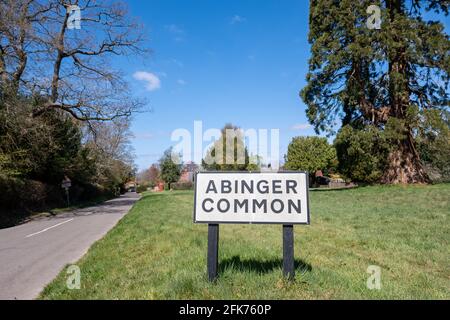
column 337, row 189
column 258, row 266
column 162, row 194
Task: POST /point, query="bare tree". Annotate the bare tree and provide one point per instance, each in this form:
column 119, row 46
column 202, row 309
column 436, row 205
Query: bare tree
column 16, row 38
column 149, row 176
column 66, row 68
column 111, row 139
column 109, row 144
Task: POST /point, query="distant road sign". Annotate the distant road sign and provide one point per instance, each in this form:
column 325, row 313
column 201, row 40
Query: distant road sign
column 66, row 183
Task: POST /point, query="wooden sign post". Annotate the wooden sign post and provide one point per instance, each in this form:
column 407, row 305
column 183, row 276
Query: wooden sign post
column 252, row 198
column 213, row 251
column 288, row 252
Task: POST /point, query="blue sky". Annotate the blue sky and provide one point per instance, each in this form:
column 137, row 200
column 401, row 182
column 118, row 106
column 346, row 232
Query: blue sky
column 242, row 62
column 236, row 61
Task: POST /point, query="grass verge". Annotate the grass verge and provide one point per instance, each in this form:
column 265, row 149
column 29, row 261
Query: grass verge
column 156, row 252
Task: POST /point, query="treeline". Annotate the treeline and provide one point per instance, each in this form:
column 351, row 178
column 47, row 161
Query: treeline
column 359, row 156
column 166, row 173
column 36, row 154
column 362, row 156
column 64, row 110
column 169, row 168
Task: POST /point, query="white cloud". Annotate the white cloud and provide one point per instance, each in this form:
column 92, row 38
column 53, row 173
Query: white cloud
column 173, row 28
column 237, row 19
column 177, row 32
column 301, row 126
column 152, row 81
column 181, row 82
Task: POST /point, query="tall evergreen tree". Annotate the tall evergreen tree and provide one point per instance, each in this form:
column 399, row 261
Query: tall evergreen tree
column 229, row 153
column 387, row 77
column 170, row 167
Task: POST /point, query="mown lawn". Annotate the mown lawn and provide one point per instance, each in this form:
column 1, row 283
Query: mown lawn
column 156, row 252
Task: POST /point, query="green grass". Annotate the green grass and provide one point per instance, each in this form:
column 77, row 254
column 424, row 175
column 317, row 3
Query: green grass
column 156, row 252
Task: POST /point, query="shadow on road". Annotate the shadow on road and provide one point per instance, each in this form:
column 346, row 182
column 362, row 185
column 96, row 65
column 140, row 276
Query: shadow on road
column 114, row 206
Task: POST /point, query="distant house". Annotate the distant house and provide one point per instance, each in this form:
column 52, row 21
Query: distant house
column 159, row 187
column 188, row 172
column 130, row 185
column 335, row 181
column 268, row 168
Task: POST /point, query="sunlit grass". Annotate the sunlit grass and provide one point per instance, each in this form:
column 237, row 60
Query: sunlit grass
column 156, row 252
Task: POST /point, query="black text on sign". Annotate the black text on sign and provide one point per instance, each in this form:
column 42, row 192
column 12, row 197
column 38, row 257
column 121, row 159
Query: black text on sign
column 278, row 198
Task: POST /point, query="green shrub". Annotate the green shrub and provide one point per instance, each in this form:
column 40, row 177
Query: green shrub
column 433, row 145
column 18, row 193
column 310, row 154
column 182, row 186
column 362, row 153
column 142, row 188
column 20, row 197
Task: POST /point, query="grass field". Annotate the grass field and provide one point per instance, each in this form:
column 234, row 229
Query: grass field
column 156, row 252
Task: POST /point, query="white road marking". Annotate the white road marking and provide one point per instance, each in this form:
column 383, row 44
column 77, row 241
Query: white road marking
column 46, row 229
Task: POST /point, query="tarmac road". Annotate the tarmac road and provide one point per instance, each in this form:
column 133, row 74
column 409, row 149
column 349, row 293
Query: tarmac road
column 32, row 254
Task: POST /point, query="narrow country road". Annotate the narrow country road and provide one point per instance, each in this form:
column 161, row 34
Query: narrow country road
column 32, row 254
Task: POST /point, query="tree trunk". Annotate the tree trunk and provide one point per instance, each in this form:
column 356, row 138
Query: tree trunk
column 404, row 165
column 59, row 57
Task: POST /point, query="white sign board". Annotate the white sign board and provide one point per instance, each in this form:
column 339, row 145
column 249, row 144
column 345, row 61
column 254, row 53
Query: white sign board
column 241, row 197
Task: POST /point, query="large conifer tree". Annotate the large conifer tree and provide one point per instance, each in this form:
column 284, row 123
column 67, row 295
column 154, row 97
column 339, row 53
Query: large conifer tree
column 391, row 78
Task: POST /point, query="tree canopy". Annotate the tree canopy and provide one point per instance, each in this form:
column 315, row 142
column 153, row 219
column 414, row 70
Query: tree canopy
column 64, row 109
column 69, row 69
column 310, row 154
column 170, row 170
column 387, row 78
column 229, row 153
